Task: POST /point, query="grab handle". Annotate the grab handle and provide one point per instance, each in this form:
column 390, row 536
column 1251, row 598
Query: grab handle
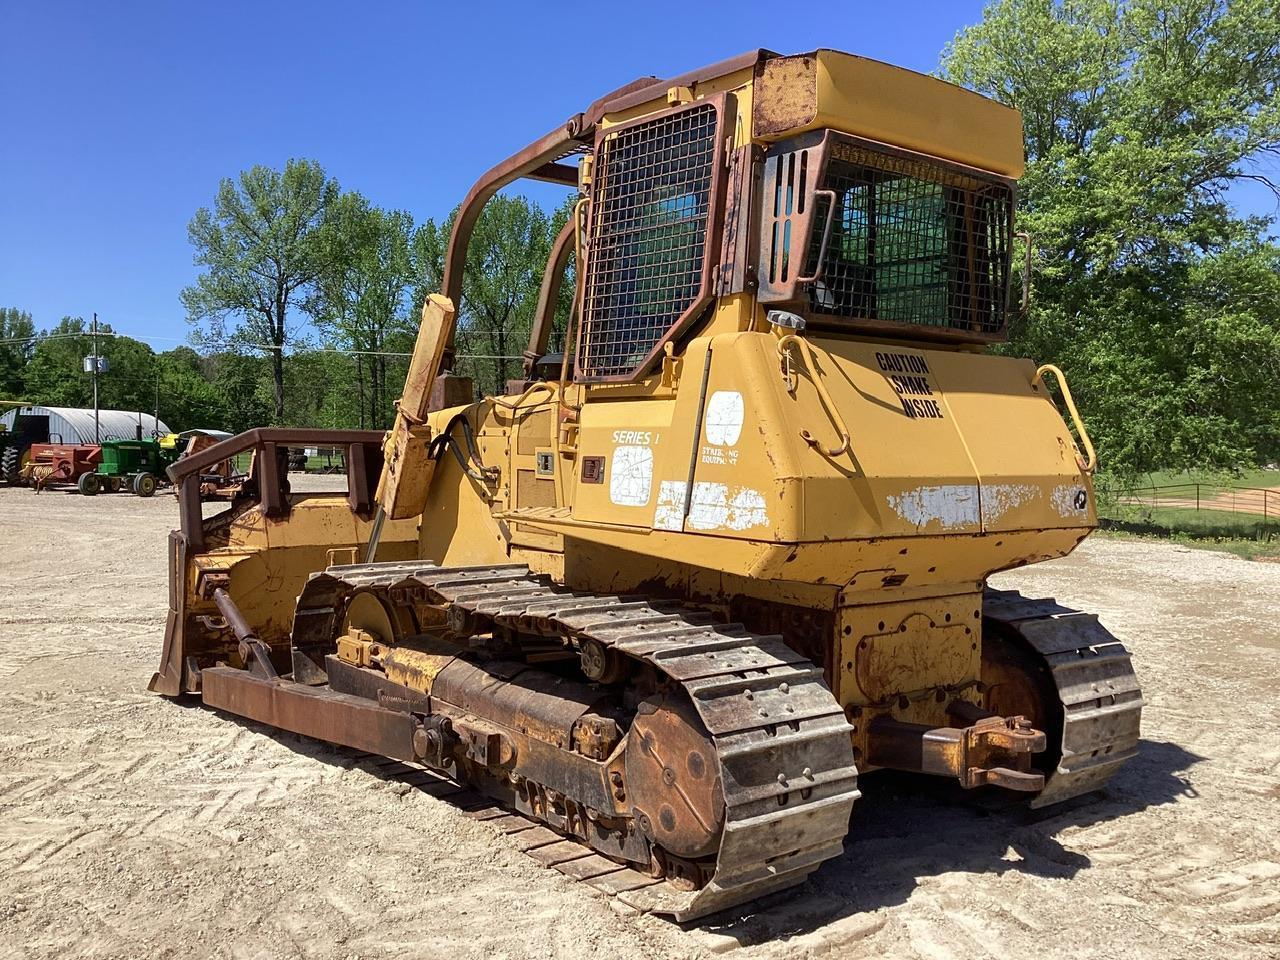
column 826, row 236
column 1089, row 462
column 833, row 412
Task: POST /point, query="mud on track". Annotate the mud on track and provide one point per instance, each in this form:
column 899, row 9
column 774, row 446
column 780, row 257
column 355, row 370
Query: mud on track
column 131, row 826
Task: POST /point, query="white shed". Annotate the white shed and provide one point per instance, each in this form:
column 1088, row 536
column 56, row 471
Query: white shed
column 75, row 425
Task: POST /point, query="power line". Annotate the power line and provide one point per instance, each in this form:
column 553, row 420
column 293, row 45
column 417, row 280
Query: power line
column 41, row 338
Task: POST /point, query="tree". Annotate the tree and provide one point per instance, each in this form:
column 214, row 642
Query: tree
column 505, row 262
column 245, row 386
column 362, row 294
column 184, row 398
column 1139, row 115
column 55, row 374
column 17, row 343
column 259, row 245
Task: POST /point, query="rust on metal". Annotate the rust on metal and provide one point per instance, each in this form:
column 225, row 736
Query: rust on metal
column 618, row 102
column 739, row 240
column 418, row 666
column 548, row 149
column 785, row 95
column 525, row 737
column 674, row 776
column 313, row 712
column 265, row 481
column 544, row 314
column 826, row 198
column 623, row 326
column 993, row 750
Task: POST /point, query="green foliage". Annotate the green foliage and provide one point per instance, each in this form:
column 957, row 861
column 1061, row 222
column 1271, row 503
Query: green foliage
column 174, row 383
column 55, row 374
column 262, row 250
column 1162, row 305
column 505, row 263
column 361, row 272
column 183, row 397
column 16, row 347
column 361, row 298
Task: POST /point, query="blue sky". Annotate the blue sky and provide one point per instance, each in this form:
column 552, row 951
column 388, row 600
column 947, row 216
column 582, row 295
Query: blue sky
column 117, row 120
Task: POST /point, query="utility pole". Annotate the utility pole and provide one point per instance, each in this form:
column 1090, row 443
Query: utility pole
column 96, row 437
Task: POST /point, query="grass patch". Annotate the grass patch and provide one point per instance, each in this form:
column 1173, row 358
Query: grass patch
column 1253, row 477
column 334, row 464
column 1247, row 535
column 1226, row 524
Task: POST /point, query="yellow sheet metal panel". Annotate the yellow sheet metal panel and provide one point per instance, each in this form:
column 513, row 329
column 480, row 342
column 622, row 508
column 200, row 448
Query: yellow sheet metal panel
column 905, row 648
column 911, row 474
column 1027, row 468
column 867, row 98
column 457, row 523
column 944, row 444
column 625, row 448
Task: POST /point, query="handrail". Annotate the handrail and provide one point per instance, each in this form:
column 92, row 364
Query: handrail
column 575, row 308
column 1087, row 464
column 833, row 412
column 284, row 436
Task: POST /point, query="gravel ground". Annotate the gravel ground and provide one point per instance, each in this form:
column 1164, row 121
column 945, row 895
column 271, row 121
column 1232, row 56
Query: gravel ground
column 132, row 826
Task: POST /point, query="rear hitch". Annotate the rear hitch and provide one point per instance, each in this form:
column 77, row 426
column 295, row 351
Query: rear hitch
column 993, row 751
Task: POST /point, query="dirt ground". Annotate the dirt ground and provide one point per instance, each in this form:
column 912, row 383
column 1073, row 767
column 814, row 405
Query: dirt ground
column 133, row 826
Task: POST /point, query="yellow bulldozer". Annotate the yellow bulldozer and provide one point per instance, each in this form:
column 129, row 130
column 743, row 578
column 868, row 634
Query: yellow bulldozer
column 669, row 596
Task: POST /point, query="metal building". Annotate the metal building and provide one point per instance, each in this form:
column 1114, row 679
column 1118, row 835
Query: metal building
column 75, row 425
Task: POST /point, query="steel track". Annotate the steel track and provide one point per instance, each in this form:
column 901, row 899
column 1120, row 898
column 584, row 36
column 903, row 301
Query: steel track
column 782, row 743
column 1097, row 689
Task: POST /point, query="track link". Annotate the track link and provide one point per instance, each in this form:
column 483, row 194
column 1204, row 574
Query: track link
column 781, row 739
column 1097, row 689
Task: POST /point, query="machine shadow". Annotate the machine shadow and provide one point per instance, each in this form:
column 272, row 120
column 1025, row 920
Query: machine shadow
column 907, row 827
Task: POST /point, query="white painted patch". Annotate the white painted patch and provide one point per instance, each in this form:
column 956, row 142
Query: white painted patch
column 669, row 514
column 1070, row 500
column 631, row 476
column 714, row 507
column 725, row 415
column 709, row 507
column 747, row 509
column 999, row 498
column 952, row 505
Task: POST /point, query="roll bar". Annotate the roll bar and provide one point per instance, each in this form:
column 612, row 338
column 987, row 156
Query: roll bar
column 539, row 160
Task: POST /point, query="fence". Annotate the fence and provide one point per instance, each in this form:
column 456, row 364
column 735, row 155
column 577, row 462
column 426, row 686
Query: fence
column 1196, row 509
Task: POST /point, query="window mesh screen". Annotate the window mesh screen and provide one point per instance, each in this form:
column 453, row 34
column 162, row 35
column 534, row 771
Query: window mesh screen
column 648, row 237
column 911, row 242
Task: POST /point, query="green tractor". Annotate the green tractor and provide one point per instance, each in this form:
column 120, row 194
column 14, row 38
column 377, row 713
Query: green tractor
column 137, row 465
